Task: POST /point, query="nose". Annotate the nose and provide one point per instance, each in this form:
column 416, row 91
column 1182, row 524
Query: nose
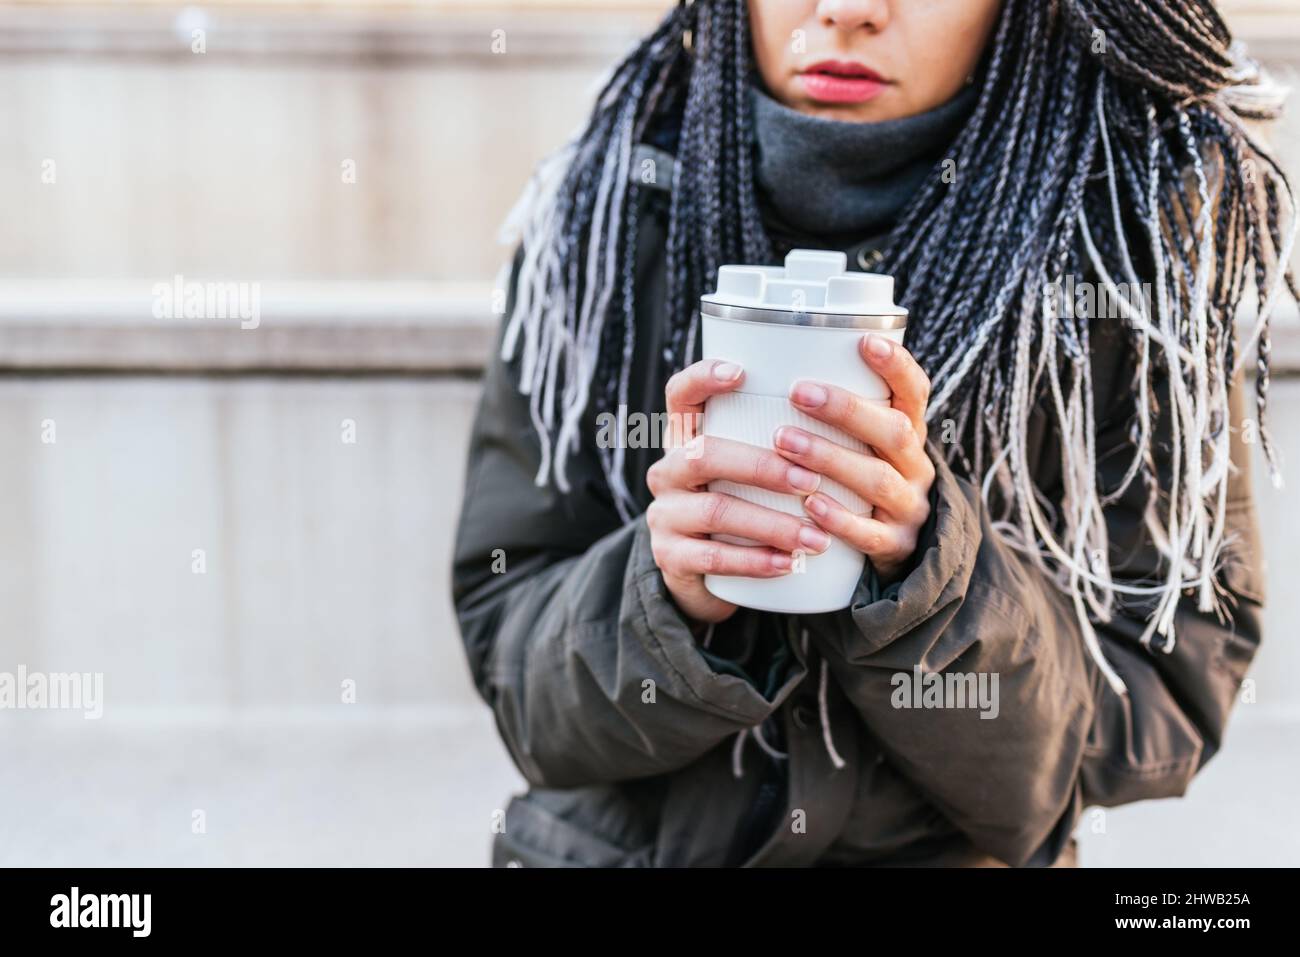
column 852, row 14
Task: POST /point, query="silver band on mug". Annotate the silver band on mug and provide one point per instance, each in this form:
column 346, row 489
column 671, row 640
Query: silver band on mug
column 790, row 317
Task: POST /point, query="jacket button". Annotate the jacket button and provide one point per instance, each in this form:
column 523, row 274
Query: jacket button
column 869, row 259
column 804, row 714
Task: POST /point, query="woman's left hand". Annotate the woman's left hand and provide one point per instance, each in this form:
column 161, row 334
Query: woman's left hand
column 896, row 481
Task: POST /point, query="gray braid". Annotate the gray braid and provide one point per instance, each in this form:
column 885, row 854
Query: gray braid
column 1130, row 161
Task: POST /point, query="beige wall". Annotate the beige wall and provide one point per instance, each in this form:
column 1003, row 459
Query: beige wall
column 230, row 163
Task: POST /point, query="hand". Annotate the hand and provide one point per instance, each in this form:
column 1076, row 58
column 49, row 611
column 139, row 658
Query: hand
column 685, row 513
column 897, row 483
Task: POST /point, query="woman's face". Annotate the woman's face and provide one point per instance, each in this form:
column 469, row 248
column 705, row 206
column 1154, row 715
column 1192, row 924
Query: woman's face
column 868, row 60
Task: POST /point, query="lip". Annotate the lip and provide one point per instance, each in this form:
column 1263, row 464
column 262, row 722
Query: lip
column 842, row 81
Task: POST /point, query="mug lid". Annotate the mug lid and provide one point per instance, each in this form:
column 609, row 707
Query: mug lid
column 812, row 288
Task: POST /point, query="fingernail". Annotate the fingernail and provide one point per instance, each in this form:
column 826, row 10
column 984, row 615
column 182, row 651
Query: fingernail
column 792, row 440
column 816, row 505
column 726, row 371
column 808, row 395
column 802, row 479
column 781, row 560
column 879, row 346
column 814, row 538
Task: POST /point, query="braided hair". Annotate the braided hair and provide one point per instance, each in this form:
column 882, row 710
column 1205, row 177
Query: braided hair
column 1109, row 137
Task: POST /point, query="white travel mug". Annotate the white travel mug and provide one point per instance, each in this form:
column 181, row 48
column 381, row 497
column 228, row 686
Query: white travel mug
column 782, row 324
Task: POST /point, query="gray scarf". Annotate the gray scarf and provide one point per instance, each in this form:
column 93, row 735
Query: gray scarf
column 835, row 178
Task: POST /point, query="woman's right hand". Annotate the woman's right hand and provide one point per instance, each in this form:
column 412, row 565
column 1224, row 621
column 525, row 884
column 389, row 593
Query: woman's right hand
column 685, row 513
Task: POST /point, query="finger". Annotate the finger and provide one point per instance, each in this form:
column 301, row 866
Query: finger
column 881, row 541
column 873, row 478
column 904, row 376
column 716, row 513
column 700, row 556
column 707, row 458
column 889, row 431
column 685, row 394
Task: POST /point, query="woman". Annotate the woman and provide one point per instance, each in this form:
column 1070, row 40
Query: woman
column 1062, row 495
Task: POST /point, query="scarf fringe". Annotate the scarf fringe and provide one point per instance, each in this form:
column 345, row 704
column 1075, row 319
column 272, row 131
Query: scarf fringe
column 561, row 338
column 1188, row 526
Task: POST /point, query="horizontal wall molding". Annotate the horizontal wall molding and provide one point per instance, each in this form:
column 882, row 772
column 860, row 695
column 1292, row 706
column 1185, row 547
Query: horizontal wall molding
column 340, row 327
column 581, row 39
column 359, row 327
column 571, row 32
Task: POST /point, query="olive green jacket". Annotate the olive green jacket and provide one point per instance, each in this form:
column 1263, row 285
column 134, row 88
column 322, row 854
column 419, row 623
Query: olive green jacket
column 626, row 727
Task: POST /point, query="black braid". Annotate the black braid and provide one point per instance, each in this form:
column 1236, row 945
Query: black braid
column 969, row 256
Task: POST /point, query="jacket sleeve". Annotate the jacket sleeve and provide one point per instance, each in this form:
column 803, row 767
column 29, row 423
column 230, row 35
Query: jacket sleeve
column 1061, row 738
column 572, row 639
